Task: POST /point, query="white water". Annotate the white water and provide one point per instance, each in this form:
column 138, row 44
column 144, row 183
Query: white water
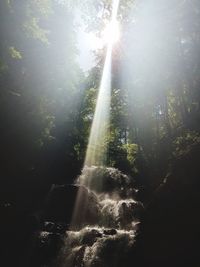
column 93, row 247
column 106, row 241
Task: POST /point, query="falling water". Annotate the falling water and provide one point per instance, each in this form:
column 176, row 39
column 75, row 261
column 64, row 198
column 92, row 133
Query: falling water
column 107, row 233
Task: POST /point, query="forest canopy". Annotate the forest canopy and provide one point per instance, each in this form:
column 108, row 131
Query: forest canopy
column 48, row 100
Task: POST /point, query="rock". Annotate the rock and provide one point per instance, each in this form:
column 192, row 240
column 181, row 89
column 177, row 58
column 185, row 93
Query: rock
column 48, row 246
column 90, row 237
column 55, row 227
column 78, row 259
column 107, row 180
column 138, row 210
column 110, row 232
column 49, row 226
column 61, row 202
column 169, row 233
column 67, row 201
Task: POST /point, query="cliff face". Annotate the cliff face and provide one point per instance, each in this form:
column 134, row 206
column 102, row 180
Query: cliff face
column 170, row 227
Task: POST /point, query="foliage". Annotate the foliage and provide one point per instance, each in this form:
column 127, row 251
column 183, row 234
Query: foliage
column 14, row 53
column 184, row 143
column 47, row 103
column 154, row 80
column 40, row 87
column 132, row 154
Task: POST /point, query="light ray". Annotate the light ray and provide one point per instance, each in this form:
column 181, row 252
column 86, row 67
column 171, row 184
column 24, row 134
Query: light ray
column 97, row 147
column 96, row 150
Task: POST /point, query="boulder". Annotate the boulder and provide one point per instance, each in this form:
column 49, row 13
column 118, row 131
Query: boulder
column 66, row 201
column 110, row 232
column 47, row 248
column 54, row 227
column 90, row 237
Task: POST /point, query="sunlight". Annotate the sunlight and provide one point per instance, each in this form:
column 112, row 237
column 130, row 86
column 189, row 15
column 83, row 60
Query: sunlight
column 97, row 146
column 100, row 133
column 109, row 36
column 96, row 153
column 111, row 33
column 94, row 41
column 96, row 150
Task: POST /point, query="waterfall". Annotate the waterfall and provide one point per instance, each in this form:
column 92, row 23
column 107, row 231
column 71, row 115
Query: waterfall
column 106, row 214
column 107, row 239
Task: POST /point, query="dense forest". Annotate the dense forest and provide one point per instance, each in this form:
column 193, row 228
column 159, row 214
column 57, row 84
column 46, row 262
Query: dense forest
column 47, row 106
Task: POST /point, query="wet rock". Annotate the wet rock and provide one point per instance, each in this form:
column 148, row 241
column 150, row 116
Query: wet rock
column 55, row 227
column 48, row 246
column 110, row 232
column 138, row 210
column 107, row 180
column 101, row 221
column 61, row 202
column 49, row 226
column 79, row 255
column 90, row 237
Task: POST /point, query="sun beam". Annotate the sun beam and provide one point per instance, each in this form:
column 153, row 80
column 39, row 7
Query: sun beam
column 111, row 33
column 96, row 153
column 109, row 36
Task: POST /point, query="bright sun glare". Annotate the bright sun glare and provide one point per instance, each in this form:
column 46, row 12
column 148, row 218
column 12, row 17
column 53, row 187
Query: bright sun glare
column 111, row 33
column 109, row 36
